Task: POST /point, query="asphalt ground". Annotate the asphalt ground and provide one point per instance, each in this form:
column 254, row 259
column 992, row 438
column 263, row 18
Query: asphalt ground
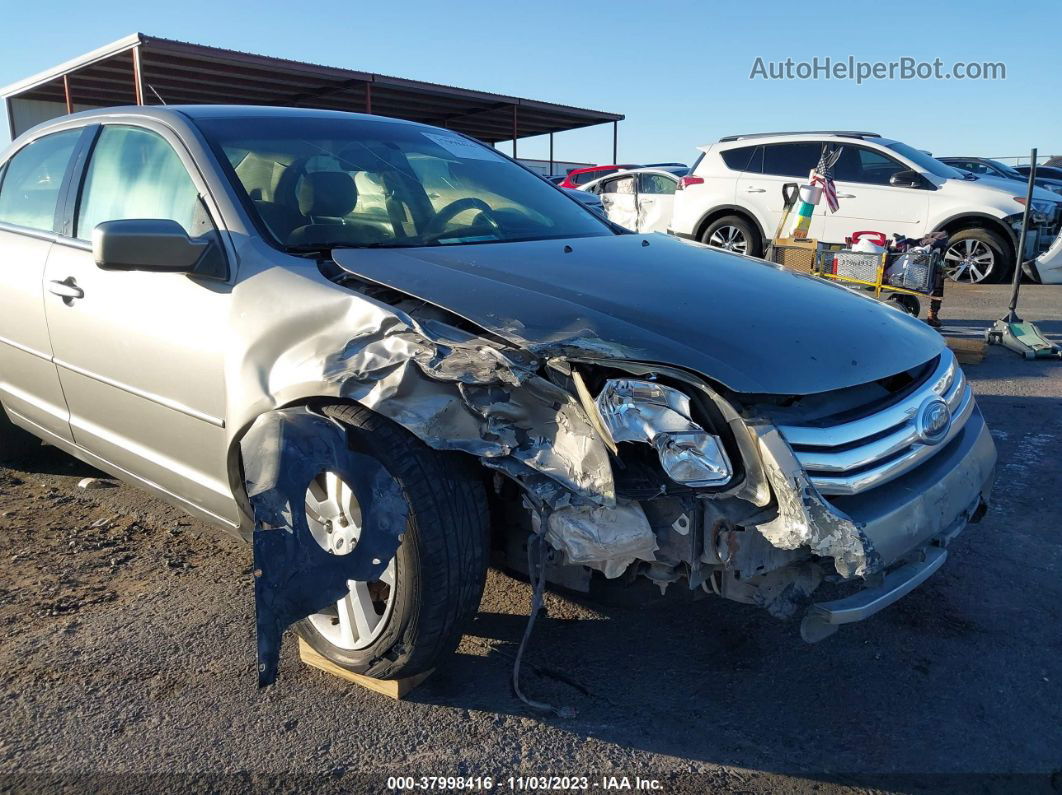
column 127, row 656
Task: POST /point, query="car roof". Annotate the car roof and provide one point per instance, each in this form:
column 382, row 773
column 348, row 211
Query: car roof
column 628, row 172
column 737, row 141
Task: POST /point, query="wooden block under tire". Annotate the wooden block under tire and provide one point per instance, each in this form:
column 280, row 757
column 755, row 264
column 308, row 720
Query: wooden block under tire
column 392, row 688
column 967, row 351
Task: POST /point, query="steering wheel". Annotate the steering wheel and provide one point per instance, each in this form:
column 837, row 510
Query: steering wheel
column 437, row 225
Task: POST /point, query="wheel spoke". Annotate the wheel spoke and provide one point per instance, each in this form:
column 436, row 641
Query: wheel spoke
column 347, row 631
column 388, row 577
column 362, row 609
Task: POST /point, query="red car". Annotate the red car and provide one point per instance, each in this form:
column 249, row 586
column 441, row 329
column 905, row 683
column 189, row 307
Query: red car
column 580, row 176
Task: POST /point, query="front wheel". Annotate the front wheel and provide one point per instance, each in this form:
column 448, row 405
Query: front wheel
column 976, row 256
column 733, row 233
column 403, row 623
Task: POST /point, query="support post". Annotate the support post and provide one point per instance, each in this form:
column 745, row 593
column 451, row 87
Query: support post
column 1012, row 315
column 66, row 94
column 138, row 83
column 368, row 97
column 551, row 153
column 615, row 142
column 516, row 131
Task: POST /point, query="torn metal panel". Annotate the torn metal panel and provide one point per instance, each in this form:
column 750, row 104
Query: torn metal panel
column 456, row 391
column 603, row 538
column 295, row 577
column 804, row 518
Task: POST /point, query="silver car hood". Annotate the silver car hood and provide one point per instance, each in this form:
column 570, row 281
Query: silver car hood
column 752, row 326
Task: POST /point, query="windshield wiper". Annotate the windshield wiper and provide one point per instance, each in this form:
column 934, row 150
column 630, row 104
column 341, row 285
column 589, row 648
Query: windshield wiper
column 325, row 248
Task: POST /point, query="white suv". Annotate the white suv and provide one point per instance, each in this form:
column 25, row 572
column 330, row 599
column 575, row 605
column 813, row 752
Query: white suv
column 732, row 199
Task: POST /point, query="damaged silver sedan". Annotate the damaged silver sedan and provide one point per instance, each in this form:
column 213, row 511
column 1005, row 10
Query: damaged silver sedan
column 383, row 353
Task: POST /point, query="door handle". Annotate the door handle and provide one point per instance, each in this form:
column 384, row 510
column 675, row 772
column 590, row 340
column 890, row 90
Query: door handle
column 845, row 195
column 67, row 289
column 648, row 201
column 755, row 190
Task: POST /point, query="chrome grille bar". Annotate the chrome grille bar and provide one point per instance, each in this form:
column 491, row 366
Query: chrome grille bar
column 854, row 456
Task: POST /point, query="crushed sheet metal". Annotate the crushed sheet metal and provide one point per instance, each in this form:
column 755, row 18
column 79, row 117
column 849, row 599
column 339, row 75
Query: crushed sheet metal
column 607, row 539
column 283, row 452
column 804, row 518
column 456, row 391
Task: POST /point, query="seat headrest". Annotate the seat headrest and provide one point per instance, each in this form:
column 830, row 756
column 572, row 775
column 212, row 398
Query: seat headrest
column 330, row 193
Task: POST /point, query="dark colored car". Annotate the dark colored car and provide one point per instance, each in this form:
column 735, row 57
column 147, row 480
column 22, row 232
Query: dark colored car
column 994, row 168
column 1049, row 177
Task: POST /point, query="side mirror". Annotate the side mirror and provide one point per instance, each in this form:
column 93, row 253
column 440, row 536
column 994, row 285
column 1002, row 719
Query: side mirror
column 907, row 179
column 159, row 245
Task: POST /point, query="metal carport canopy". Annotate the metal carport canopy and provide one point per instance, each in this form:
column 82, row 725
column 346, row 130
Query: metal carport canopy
column 140, row 69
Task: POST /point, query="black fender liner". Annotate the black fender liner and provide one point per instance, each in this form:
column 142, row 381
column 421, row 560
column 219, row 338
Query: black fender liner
column 283, row 452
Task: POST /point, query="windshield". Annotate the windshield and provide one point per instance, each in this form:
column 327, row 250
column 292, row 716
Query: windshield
column 1008, row 170
column 319, row 183
column 926, row 162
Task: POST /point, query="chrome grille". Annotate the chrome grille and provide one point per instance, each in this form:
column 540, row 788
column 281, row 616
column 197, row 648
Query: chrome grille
column 861, row 454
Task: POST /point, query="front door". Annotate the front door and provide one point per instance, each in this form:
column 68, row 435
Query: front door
column 868, row 202
column 656, row 200
column 30, row 187
column 619, row 197
column 141, row 355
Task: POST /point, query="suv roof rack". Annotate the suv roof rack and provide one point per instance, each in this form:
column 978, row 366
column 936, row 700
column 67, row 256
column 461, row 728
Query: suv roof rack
column 842, row 133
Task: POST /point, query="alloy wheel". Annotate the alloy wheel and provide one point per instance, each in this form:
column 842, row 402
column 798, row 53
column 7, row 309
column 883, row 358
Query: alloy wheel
column 334, row 517
column 970, row 261
column 729, row 238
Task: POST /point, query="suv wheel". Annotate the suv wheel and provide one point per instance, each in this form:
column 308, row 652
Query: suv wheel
column 415, row 613
column 733, row 233
column 974, row 256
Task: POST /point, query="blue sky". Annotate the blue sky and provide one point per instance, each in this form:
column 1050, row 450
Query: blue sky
column 678, row 70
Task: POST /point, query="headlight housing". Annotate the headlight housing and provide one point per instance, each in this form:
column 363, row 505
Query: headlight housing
column 644, row 411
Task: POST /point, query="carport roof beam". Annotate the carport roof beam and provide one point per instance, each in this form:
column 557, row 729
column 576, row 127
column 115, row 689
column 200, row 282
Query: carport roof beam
column 183, row 73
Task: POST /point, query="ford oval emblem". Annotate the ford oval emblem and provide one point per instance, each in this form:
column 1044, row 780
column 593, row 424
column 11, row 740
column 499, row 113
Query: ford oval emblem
column 934, row 420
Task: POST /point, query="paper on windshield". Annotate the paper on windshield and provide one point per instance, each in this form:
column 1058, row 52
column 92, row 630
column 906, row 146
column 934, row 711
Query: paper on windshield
column 462, row 147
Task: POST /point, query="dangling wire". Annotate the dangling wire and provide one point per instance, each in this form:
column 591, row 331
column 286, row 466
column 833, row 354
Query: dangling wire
column 536, row 569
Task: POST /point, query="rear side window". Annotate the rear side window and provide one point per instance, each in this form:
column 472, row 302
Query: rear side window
column 590, row 176
column 656, row 183
column 134, row 173
column 29, row 192
column 791, row 160
column 738, row 159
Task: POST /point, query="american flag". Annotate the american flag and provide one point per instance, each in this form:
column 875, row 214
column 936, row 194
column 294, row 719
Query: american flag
column 823, row 175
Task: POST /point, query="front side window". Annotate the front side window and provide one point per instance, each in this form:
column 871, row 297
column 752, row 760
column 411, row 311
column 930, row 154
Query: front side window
column 320, row 183
column 866, row 166
column 791, row 160
column 135, row 174
column 622, row 185
column 32, row 179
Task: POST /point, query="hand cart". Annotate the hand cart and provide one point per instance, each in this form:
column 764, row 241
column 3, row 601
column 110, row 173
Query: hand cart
column 900, row 278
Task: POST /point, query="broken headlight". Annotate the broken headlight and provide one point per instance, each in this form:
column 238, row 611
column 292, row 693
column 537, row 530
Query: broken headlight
column 644, row 411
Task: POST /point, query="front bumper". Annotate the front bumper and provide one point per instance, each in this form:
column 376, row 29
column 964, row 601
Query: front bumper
column 1049, row 264
column 942, row 497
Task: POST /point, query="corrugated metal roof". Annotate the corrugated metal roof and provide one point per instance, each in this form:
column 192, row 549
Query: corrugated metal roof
column 182, row 72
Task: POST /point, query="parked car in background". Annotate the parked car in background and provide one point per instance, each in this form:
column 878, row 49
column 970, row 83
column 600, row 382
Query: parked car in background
column 578, row 177
column 1054, row 162
column 732, row 199
column 675, row 168
column 590, row 200
column 556, row 179
column 986, row 166
column 380, row 398
column 640, row 199
column 1048, row 174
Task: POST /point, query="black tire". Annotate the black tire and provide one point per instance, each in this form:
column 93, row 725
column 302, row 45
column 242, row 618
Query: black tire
column 441, row 563
column 968, row 241
column 16, row 445
column 752, row 240
column 908, row 303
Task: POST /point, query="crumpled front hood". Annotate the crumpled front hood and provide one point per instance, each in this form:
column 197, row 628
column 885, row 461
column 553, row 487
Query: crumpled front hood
column 750, row 325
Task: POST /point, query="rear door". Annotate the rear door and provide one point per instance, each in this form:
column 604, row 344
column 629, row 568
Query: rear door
column 141, row 355
column 868, row 202
column 770, row 167
column 656, row 200
column 31, row 185
column 619, row 198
